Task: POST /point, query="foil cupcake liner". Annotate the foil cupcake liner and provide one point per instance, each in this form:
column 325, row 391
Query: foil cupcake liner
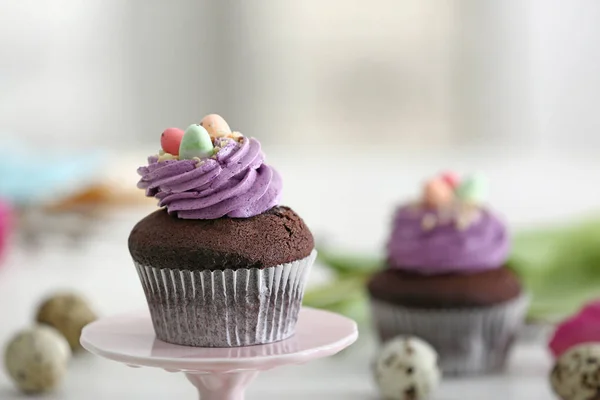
column 161, row 349
column 228, row 308
column 468, row 341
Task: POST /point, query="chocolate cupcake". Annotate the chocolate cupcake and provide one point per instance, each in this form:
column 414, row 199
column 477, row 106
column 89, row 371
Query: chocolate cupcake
column 446, row 278
column 222, row 264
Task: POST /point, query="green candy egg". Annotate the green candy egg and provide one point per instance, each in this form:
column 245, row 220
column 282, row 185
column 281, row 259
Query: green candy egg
column 473, row 189
column 196, row 142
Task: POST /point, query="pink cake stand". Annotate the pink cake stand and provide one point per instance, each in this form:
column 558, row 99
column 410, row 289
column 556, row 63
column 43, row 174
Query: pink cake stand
column 217, row 373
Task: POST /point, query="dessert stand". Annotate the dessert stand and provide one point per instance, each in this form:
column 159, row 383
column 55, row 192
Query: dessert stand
column 217, row 373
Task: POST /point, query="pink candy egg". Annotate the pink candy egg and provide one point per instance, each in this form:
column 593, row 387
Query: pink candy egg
column 170, row 140
column 581, row 328
column 591, row 310
column 215, row 125
column 437, row 193
column 451, row 178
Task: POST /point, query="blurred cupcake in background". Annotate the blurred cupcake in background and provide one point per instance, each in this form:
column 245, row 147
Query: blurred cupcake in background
column 446, row 279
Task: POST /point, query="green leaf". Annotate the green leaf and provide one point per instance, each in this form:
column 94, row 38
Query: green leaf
column 560, row 267
column 335, row 292
column 347, row 262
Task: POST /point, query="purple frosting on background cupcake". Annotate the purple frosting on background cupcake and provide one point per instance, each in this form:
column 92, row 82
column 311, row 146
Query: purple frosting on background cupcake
column 235, row 182
column 432, row 241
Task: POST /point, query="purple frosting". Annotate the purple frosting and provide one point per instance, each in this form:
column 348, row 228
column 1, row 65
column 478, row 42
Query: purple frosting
column 443, row 247
column 235, row 182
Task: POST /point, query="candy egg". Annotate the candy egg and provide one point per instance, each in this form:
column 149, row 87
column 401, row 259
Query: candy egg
column 576, row 374
column 406, row 368
column 437, row 193
column 583, row 327
column 473, row 189
column 196, row 142
column 170, row 140
column 37, row 359
column 68, row 313
column 451, row 178
column 215, row 125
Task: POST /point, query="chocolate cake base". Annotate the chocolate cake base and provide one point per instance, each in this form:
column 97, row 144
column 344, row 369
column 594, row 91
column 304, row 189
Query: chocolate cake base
column 227, row 282
column 470, row 319
column 275, row 237
column 480, row 289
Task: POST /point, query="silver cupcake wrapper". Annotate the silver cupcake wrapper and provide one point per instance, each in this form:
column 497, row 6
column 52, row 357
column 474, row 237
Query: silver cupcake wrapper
column 468, row 341
column 161, row 349
column 228, row 308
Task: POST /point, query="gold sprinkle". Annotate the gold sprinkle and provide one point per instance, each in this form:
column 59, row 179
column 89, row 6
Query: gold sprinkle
column 237, row 136
column 429, row 221
column 463, row 222
column 219, row 134
column 467, row 216
column 167, row 156
column 446, row 214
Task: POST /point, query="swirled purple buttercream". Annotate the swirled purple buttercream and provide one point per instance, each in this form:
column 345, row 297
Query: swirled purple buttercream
column 422, row 242
column 235, row 182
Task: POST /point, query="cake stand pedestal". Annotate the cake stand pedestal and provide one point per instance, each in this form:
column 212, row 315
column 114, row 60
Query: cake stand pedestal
column 217, row 373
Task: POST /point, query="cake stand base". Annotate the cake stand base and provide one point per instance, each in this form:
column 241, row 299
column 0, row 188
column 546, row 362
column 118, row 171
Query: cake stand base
column 217, row 373
column 230, row 386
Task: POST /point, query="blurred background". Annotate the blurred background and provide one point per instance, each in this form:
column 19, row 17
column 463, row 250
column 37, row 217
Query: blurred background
column 356, row 103
column 412, row 73
column 448, row 82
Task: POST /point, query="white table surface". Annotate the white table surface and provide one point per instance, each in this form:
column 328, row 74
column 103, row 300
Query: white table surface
column 112, row 287
column 351, row 204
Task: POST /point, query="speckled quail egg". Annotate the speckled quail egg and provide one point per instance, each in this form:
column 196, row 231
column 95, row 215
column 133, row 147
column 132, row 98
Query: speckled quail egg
column 37, row 359
column 576, row 373
column 406, row 368
column 69, row 313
